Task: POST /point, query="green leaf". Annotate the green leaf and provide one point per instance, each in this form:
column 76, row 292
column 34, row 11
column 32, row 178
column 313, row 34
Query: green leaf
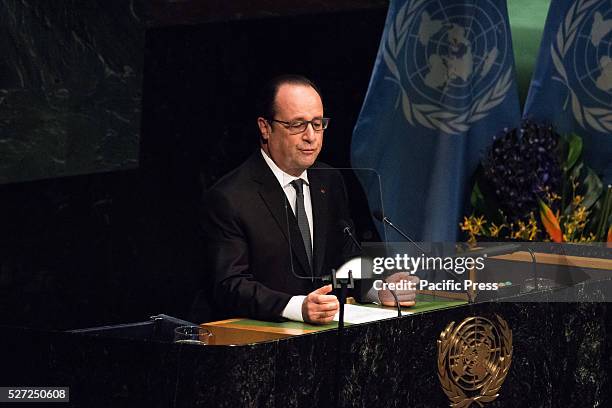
column 574, row 150
column 575, row 174
column 567, row 190
column 594, row 188
column 604, row 215
column 592, row 222
column 477, row 199
column 483, row 198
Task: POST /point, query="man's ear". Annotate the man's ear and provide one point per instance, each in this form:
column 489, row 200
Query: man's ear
column 264, row 129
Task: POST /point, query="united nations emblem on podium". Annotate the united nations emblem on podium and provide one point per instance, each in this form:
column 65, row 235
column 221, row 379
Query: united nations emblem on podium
column 473, row 360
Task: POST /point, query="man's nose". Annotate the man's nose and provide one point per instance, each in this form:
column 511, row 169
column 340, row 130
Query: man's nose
column 309, row 134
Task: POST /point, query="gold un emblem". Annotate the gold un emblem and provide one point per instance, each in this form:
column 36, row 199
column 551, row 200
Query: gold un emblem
column 473, row 360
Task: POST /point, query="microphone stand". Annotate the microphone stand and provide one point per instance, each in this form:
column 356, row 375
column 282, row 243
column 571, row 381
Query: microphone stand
column 397, row 303
column 343, row 284
column 534, row 270
column 502, row 250
column 347, row 231
column 379, row 216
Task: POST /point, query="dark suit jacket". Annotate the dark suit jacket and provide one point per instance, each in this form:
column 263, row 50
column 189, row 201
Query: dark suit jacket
column 254, row 250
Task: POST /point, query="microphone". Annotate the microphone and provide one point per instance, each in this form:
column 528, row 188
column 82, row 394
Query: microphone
column 346, row 228
column 380, row 217
column 499, row 250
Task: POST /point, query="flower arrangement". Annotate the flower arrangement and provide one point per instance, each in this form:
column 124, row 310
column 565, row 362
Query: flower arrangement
column 532, row 185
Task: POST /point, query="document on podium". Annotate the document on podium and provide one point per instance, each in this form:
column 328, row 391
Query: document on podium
column 363, row 314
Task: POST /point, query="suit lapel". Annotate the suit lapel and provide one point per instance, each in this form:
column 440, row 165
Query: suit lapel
column 320, row 205
column 275, row 199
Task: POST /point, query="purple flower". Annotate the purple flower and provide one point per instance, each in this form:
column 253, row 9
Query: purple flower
column 521, row 166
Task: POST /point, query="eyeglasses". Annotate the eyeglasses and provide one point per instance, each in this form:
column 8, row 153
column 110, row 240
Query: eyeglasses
column 299, row 126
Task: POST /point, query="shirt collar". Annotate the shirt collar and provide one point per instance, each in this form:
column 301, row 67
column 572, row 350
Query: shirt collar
column 284, row 179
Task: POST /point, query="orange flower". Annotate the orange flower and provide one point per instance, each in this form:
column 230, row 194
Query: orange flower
column 609, row 238
column 550, row 222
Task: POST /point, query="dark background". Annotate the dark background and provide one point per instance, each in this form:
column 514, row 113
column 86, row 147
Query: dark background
column 118, row 246
column 70, row 87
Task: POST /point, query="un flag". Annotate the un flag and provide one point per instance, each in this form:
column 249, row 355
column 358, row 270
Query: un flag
column 572, row 83
column 442, row 87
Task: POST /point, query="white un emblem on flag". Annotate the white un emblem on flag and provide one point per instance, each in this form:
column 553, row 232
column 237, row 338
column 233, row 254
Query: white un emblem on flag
column 582, row 56
column 451, row 62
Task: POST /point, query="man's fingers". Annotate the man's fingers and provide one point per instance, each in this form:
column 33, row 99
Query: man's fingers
column 402, row 276
column 321, row 299
column 401, row 294
column 320, row 295
column 321, row 316
column 391, row 303
column 323, row 307
column 323, row 290
column 325, row 315
column 318, row 307
column 405, row 297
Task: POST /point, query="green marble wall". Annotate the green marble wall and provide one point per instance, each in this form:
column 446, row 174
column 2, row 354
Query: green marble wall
column 70, row 87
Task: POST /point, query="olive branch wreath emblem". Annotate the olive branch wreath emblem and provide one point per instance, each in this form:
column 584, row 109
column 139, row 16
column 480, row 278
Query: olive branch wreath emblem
column 598, row 118
column 431, row 116
column 490, row 389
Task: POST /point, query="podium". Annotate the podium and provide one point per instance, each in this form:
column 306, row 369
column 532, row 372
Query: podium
column 561, row 355
column 245, row 331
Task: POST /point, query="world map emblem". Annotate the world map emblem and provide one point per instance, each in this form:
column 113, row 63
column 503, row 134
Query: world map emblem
column 452, row 63
column 474, row 359
column 582, row 56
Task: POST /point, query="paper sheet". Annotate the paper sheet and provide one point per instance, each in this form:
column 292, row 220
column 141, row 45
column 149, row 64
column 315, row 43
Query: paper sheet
column 362, row 314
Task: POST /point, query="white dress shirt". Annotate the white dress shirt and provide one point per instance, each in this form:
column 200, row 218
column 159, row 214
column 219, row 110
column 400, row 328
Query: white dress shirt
column 293, row 310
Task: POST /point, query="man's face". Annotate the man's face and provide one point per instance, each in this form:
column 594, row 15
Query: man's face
column 293, row 153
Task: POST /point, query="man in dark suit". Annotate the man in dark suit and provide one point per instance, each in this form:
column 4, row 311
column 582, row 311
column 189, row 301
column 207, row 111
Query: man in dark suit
column 274, row 224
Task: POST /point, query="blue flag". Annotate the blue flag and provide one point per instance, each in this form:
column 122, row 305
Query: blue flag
column 442, row 87
column 572, row 83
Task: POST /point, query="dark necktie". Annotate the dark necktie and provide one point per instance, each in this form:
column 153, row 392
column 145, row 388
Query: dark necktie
column 300, row 214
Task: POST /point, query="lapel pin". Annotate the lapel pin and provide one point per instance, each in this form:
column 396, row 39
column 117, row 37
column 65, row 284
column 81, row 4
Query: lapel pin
column 322, row 190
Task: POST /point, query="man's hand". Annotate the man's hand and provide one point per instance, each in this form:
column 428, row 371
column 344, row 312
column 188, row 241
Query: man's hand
column 406, row 297
column 319, row 307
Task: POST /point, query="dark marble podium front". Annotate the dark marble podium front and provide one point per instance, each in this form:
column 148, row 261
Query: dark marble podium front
column 562, row 357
